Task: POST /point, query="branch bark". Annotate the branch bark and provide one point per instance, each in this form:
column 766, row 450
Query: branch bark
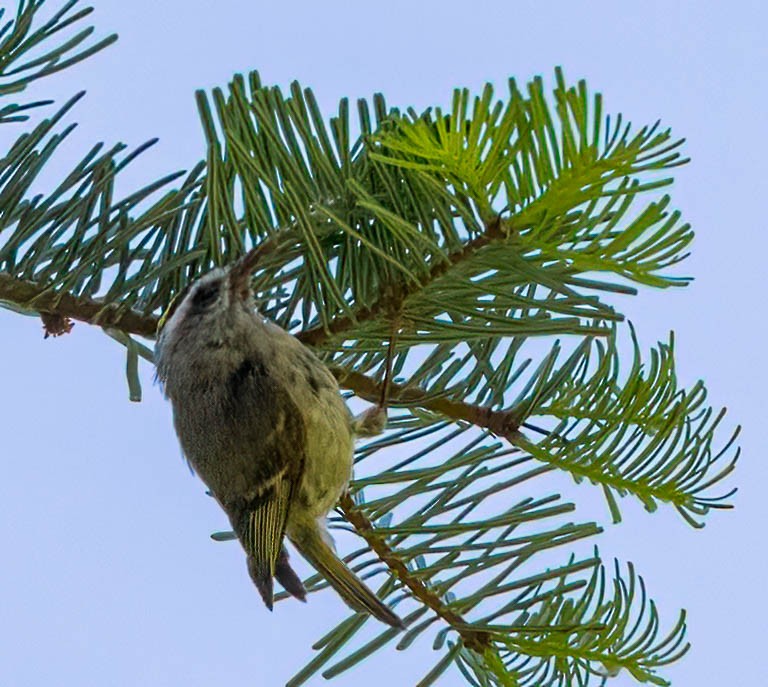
column 502, row 423
column 31, row 295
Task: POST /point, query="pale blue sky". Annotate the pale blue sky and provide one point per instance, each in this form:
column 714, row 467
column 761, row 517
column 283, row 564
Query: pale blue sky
column 108, row 575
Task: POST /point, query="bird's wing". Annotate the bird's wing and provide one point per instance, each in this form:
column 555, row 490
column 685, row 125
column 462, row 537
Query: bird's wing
column 263, row 532
column 264, row 416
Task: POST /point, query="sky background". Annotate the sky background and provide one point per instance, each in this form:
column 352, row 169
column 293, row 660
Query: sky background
column 108, row 576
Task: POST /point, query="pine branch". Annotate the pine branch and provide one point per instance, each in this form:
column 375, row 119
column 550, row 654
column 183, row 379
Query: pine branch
column 502, row 423
column 477, row 640
column 437, row 549
column 391, row 303
column 32, row 297
column 622, row 635
column 641, row 435
column 402, row 229
column 22, row 35
column 679, row 487
column 29, row 297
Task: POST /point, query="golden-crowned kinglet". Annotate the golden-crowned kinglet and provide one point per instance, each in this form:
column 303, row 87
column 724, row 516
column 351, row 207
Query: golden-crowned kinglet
column 261, row 421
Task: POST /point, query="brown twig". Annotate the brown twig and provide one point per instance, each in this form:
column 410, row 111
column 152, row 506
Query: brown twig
column 503, row 423
column 28, row 294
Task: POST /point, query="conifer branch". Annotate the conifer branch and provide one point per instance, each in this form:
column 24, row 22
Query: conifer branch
column 502, row 423
column 477, row 640
column 356, row 234
column 394, row 298
column 34, row 297
column 30, row 296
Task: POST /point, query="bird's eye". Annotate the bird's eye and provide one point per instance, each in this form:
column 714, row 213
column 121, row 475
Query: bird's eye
column 206, row 295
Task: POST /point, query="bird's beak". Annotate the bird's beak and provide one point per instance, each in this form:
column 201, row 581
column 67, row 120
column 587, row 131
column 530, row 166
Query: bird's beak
column 240, row 275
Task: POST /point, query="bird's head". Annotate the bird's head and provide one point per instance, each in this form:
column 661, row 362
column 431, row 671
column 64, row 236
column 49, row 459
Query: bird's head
column 211, row 302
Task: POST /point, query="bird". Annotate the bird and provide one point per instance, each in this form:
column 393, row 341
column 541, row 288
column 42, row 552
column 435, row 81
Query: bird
column 261, row 421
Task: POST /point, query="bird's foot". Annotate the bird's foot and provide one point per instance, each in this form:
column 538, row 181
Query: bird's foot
column 370, row 422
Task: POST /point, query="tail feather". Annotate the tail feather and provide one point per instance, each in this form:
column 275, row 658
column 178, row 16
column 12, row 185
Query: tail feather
column 284, row 574
column 262, row 578
column 310, row 543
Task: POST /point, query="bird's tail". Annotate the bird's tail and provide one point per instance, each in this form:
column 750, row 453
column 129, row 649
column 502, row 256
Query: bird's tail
column 284, row 574
column 309, row 540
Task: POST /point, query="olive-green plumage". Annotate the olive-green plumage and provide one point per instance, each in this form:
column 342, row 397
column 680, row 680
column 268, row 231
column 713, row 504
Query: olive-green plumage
column 261, row 421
